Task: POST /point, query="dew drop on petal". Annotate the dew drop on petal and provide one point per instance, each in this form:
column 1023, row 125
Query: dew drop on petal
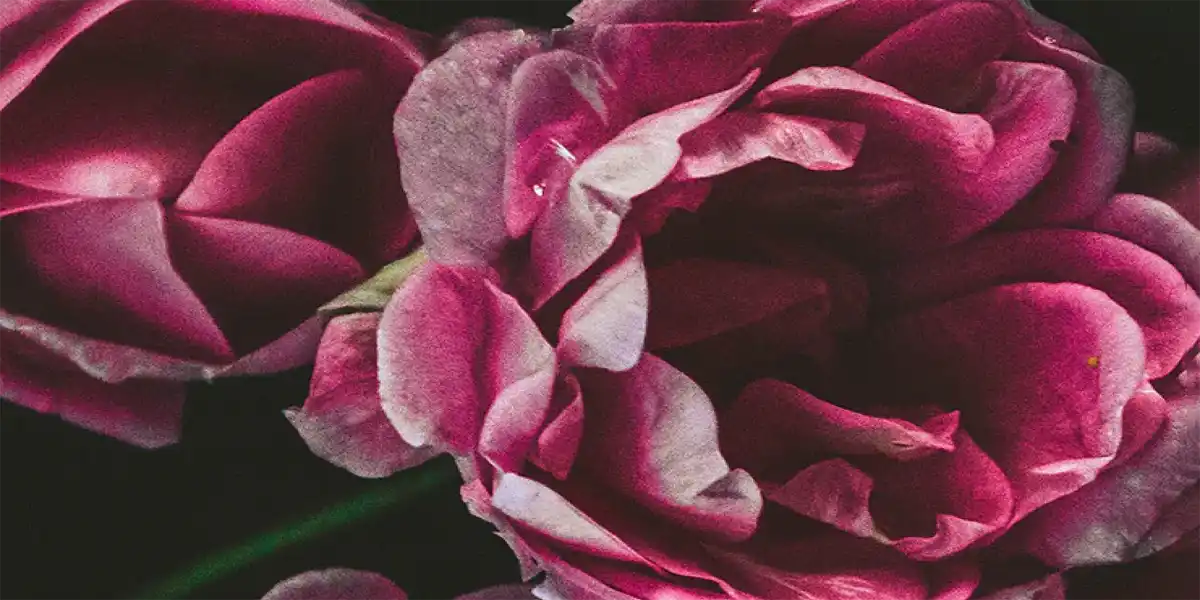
column 539, row 189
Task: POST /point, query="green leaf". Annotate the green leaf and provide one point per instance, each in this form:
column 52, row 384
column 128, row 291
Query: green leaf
column 373, row 294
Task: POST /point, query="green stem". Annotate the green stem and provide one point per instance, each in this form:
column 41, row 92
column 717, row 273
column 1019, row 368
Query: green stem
column 220, row 564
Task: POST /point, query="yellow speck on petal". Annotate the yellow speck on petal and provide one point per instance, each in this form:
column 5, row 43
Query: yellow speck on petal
column 1093, row 361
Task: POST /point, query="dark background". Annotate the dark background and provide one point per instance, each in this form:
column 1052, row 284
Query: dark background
column 82, row 516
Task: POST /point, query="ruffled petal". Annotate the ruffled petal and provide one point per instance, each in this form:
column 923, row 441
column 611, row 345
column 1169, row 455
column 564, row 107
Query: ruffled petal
column 558, row 443
column 1041, row 372
column 450, row 343
column 342, row 421
column 601, row 12
column 1146, row 286
column 606, row 327
column 1154, row 226
column 739, row 138
column 652, row 434
column 1050, row 587
column 1160, row 169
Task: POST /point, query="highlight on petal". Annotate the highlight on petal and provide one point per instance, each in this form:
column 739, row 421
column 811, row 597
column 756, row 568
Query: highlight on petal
column 600, row 12
column 1154, row 226
column 342, row 421
column 450, row 343
column 606, row 327
column 336, row 584
column 575, row 232
column 449, row 131
column 652, row 434
column 1015, row 360
column 1132, row 510
column 1050, row 587
column 739, row 138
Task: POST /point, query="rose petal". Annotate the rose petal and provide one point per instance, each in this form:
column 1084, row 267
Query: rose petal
column 16, row 198
column 659, row 65
column 449, row 343
column 342, row 421
column 1146, row 286
column 1123, row 514
column 606, row 327
column 501, row 592
column 1050, row 587
column 169, row 89
column 449, row 129
column 1158, row 168
column 598, row 12
column 512, row 423
column 336, row 584
column 326, row 138
column 560, row 112
column 101, row 269
column 573, row 233
column 258, row 281
column 942, row 52
column 759, row 431
column 1087, row 169
column 1040, row 371
column 738, row 138
column 654, row 437
column 142, row 412
column 1153, row 225
column 558, row 443
column 694, row 299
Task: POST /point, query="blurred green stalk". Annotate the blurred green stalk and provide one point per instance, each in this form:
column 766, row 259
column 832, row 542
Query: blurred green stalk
column 401, row 489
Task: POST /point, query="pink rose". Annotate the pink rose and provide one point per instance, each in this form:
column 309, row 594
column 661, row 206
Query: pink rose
column 352, row 584
column 902, row 341
column 184, row 183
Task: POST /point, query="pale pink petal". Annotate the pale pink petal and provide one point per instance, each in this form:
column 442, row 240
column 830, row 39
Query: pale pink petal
column 450, row 343
column 652, row 434
column 606, row 327
column 1040, row 371
column 576, row 231
column 16, row 198
column 1146, row 286
column 558, row 444
column 342, row 421
column 336, row 584
column 1132, row 510
column 102, row 270
column 258, row 281
column 450, row 130
column 599, row 12
column 739, row 138
column 513, row 423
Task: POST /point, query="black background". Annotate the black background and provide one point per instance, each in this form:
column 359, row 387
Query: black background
column 82, row 516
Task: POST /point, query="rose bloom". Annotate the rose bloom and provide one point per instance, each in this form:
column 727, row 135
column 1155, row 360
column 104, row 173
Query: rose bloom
column 183, row 184
column 351, row 584
column 798, row 299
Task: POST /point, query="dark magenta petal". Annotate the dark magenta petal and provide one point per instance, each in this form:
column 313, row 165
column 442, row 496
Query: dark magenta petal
column 138, row 411
column 286, row 162
column 561, row 109
column 602, row 12
column 336, row 584
column 606, row 327
column 342, row 421
column 694, row 299
column 1146, row 286
column 577, row 230
column 258, row 281
column 759, row 431
column 659, row 65
column 739, row 138
column 16, row 198
column 937, row 57
column 102, row 270
column 1132, row 510
column 1041, row 372
column 450, row 343
column 652, row 434
column 169, row 89
column 450, row 132
column 1159, row 169
column 1087, row 168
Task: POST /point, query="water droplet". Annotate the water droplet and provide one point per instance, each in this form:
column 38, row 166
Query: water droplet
column 1050, row 40
column 539, row 189
column 562, row 151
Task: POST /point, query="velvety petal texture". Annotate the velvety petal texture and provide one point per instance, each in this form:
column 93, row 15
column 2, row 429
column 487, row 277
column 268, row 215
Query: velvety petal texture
column 170, row 210
column 744, row 300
